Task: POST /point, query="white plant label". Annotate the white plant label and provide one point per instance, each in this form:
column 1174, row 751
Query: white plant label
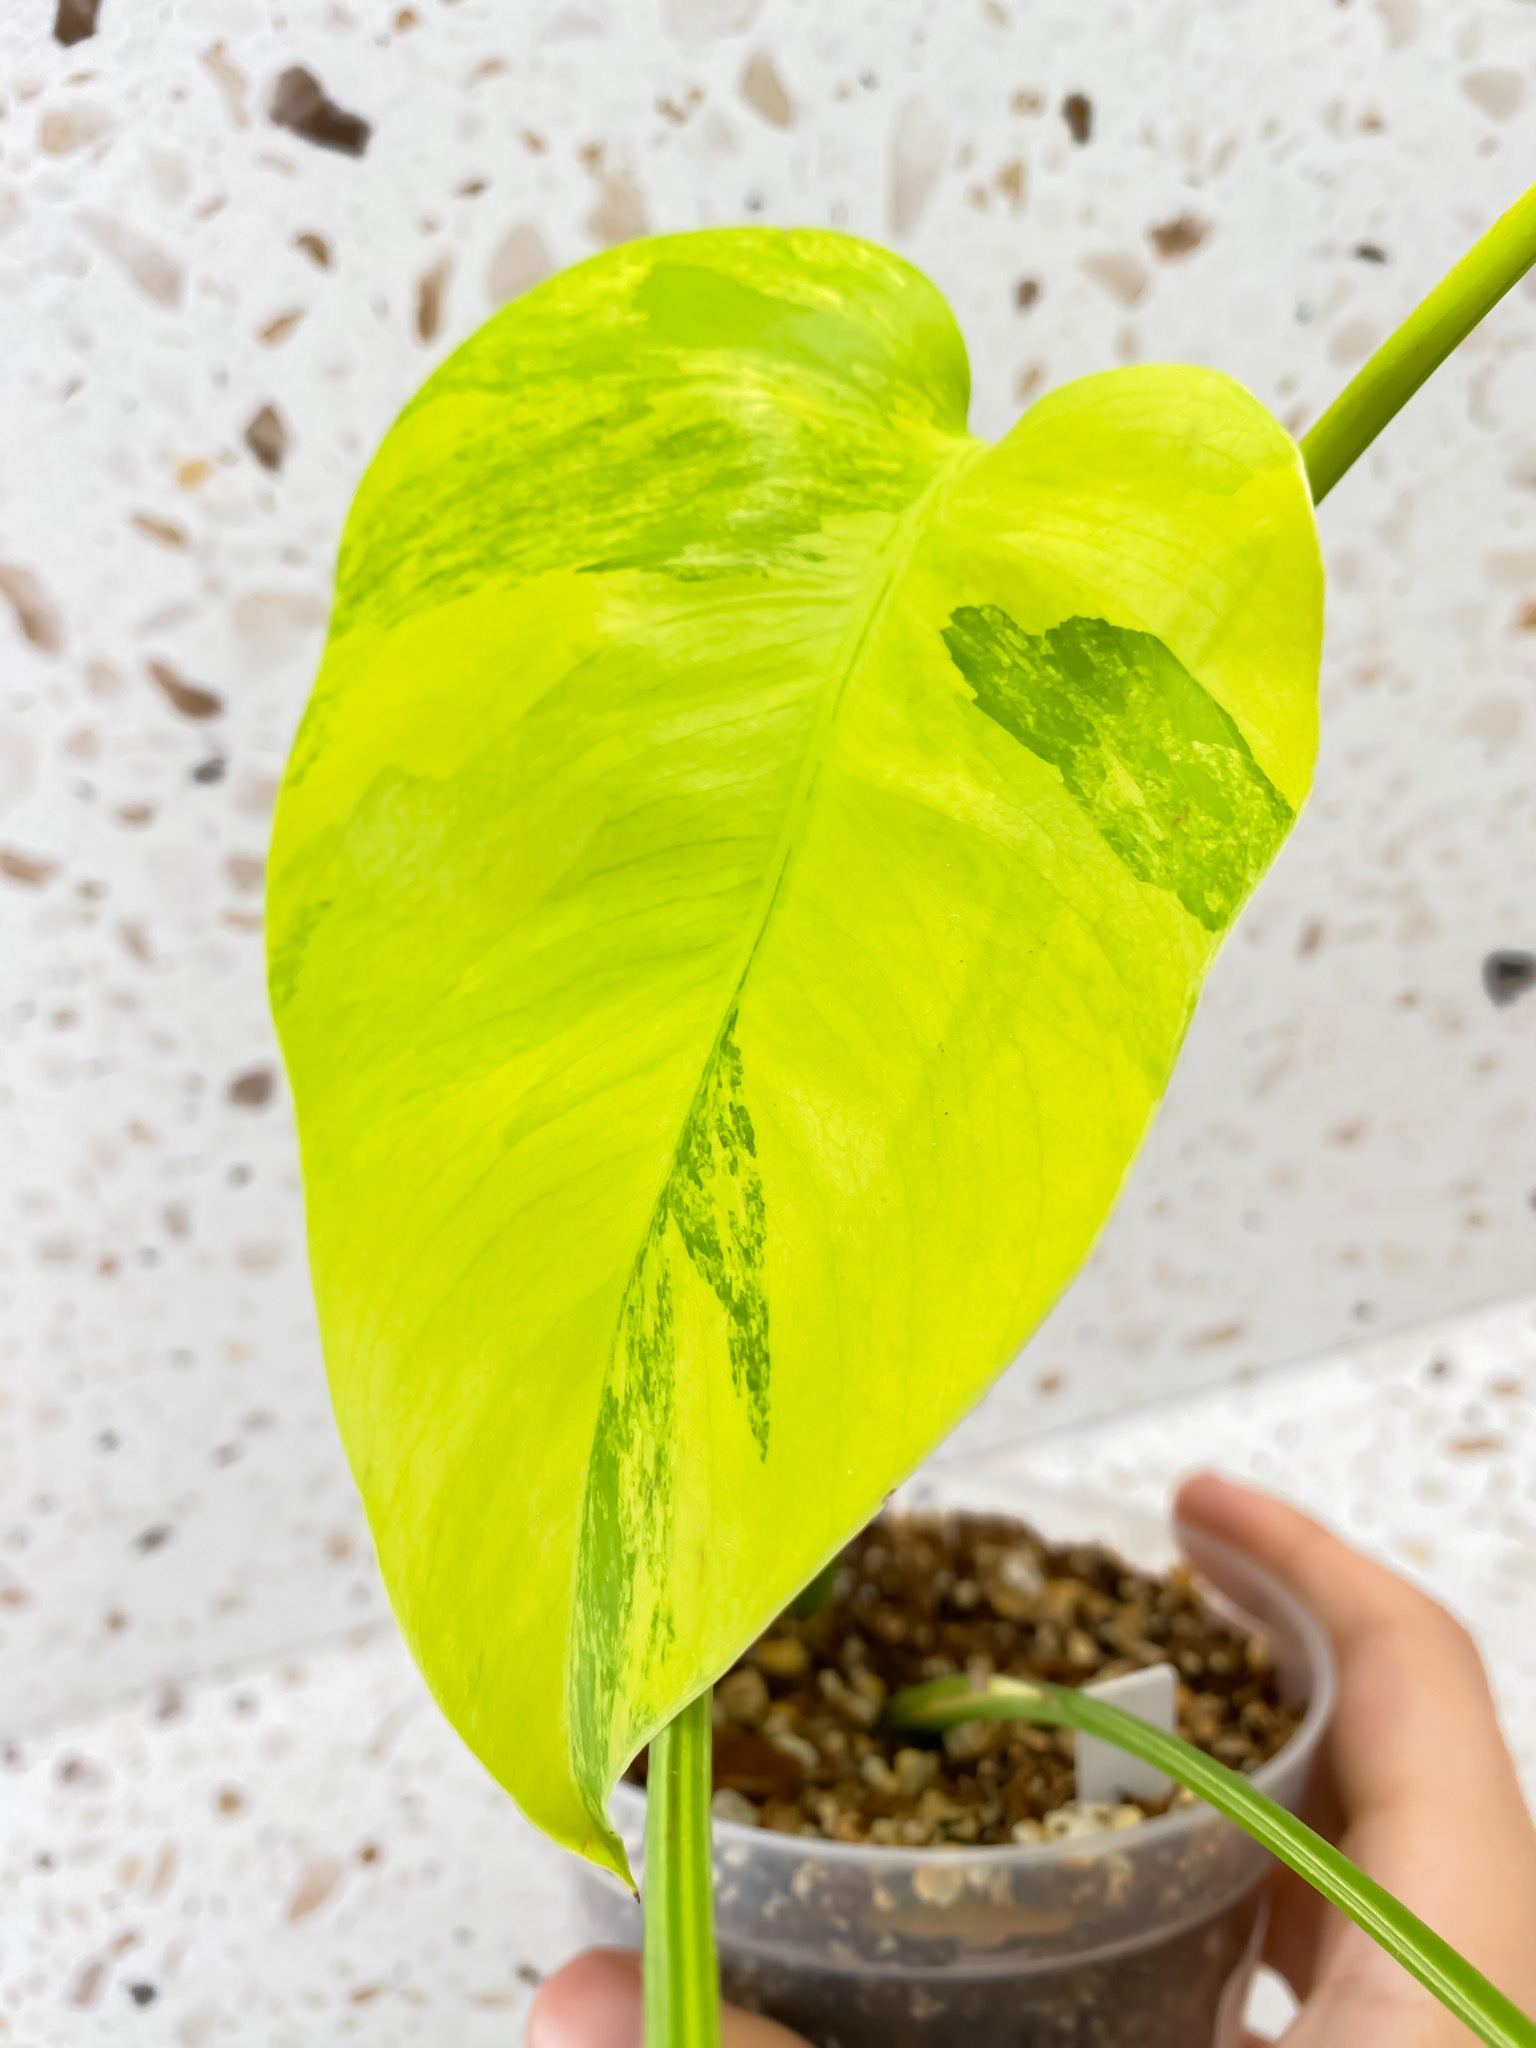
column 1106, row 1776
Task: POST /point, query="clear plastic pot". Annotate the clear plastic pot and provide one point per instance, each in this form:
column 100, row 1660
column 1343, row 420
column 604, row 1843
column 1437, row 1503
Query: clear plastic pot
column 1141, row 1938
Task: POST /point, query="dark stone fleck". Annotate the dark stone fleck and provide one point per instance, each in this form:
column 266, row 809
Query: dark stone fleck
column 252, row 1089
column 1508, row 973
column 301, row 104
column 1026, row 292
column 267, row 437
column 75, row 21
column 746, row 1762
column 142, row 1994
column 211, row 770
column 1370, row 252
column 154, row 1538
column 527, row 1974
column 1077, row 112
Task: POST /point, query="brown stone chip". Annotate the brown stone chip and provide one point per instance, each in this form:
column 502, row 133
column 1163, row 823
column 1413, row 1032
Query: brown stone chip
column 279, row 327
column 26, row 868
column 253, row 1088
column 317, row 1881
column 149, row 267
column 1179, row 236
column 301, row 104
column 619, row 214
column 62, row 130
column 520, row 261
column 267, row 437
column 86, row 1986
column 1124, row 277
column 1077, row 112
column 431, row 288
column 763, row 90
column 75, row 21
column 185, row 697
column 165, row 531
column 231, row 81
column 749, row 1763
column 35, row 611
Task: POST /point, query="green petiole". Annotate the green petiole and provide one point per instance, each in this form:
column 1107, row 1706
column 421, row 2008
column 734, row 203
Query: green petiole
column 1462, row 1990
column 682, row 1977
column 1384, row 386
column 814, row 1596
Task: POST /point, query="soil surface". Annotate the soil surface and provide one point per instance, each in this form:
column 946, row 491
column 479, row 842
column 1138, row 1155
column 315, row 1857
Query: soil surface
column 800, row 1745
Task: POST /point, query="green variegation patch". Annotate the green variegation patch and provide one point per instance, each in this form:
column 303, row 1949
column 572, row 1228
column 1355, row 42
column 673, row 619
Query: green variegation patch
column 1161, row 769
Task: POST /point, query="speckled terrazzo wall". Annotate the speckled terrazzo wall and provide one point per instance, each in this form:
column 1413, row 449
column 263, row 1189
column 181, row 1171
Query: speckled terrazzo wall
column 206, row 321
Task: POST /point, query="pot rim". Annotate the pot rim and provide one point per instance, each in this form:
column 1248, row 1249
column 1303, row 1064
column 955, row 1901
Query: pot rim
column 1220, row 1569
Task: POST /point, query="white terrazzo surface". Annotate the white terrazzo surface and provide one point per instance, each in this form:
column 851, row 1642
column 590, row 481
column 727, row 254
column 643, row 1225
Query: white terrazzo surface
column 1348, row 1145
column 1349, row 1141
column 301, row 1852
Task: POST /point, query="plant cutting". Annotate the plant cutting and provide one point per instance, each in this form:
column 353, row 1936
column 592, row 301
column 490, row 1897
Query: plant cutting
column 737, row 896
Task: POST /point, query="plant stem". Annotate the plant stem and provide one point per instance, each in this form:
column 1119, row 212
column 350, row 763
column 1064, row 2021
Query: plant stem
column 1402, row 363
column 682, row 1976
column 1461, row 1989
column 814, row 1596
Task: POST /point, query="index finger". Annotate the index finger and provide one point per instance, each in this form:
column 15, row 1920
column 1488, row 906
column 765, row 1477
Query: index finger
column 1431, row 1805
column 1413, row 1697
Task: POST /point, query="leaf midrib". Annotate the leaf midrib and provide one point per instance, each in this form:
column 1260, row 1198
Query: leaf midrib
column 891, row 562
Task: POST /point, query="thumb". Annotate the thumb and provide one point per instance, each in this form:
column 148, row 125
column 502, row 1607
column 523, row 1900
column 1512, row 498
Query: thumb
column 595, row 2002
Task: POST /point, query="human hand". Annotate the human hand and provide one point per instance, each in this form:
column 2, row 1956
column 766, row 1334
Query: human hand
column 1414, row 1783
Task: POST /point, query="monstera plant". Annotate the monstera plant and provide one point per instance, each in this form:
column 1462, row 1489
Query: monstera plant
column 737, row 897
